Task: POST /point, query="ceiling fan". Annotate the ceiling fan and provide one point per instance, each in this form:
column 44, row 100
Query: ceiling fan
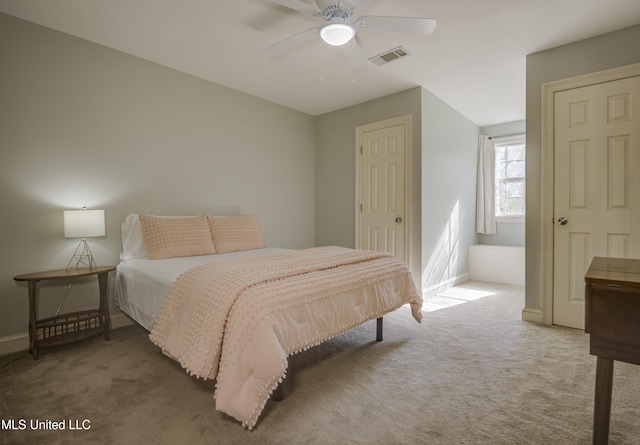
column 341, row 28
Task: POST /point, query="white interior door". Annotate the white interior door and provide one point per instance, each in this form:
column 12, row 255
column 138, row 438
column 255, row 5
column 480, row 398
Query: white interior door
column 597, row 186
column 382, row 214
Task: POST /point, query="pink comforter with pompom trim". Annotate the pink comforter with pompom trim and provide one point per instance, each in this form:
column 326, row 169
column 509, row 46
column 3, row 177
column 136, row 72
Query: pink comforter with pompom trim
column 238, row 320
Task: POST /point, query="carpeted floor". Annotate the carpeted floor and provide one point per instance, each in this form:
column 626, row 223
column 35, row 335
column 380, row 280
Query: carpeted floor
column 472, row 373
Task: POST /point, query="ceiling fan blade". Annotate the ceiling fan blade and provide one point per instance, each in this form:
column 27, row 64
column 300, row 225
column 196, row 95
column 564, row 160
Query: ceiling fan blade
column 354, row 54
column 414, row 25
column 297, row 5
column 292, row 41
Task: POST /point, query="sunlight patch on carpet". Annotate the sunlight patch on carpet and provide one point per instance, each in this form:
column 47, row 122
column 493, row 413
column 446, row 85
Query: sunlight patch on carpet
column 453, row 297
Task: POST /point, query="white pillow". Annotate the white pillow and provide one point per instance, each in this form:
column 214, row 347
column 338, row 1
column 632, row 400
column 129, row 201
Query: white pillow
column 132, row 242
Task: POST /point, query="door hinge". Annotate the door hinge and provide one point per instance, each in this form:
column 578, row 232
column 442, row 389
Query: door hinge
column 361, row 151
column 361, row 207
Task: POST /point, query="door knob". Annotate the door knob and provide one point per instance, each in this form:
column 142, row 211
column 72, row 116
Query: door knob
column 562, row 220
column 399, row 219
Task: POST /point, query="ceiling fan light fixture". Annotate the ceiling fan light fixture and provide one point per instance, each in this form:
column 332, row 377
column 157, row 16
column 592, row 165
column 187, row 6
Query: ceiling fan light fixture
column 337, row 34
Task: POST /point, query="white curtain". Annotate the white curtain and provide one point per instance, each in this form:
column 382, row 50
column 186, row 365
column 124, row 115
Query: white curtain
column 485, row 187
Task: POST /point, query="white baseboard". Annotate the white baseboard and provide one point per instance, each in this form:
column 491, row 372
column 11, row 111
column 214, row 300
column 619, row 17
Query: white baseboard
column 432, row 291
column 120, row 321
column 12, row 344
column 531, row 314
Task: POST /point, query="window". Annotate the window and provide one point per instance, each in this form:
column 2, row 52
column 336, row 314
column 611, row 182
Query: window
column 510, row 176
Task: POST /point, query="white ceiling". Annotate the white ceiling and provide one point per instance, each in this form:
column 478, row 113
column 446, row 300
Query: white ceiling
column 474, row 61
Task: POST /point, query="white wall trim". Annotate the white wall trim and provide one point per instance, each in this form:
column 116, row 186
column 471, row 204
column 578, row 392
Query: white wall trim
column 549, row 90
column 435, row 289
column 509, row 219
column 532, row 315
column 120, row 320
column 12, row 344
column 497, row 264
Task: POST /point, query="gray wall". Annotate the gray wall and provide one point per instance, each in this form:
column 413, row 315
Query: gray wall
column 336, row 167
column 443, row 180
column 592, row 55
column 448, row 202
column 81, row 124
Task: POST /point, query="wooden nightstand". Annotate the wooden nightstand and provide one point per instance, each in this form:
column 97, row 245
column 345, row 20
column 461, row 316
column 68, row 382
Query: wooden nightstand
column 612, row 319
column 70, row 327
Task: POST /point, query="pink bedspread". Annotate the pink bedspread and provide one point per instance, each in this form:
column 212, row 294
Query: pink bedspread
column 238, row 320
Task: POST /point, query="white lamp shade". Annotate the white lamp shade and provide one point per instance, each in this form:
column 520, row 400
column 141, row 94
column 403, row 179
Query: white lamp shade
column 337, row 34
column 83, row 223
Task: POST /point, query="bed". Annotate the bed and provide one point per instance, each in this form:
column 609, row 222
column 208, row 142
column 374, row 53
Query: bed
column 229, row 308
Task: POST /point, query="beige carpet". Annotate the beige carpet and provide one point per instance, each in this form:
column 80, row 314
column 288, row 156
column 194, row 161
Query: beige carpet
column 472, row 373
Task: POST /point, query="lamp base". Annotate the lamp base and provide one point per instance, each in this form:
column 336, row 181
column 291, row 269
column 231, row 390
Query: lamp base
column 82, row 257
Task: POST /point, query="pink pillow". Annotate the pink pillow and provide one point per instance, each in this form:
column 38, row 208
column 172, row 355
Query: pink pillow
column 176, row 237
column 234, row 233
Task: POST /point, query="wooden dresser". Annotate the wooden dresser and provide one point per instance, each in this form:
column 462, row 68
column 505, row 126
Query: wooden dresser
column 612, row 318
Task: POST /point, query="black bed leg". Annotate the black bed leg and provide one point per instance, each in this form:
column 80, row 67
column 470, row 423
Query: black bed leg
column 379, row 329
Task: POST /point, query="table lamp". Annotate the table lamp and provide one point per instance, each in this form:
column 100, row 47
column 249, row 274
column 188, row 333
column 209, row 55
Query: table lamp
column 82, row 224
